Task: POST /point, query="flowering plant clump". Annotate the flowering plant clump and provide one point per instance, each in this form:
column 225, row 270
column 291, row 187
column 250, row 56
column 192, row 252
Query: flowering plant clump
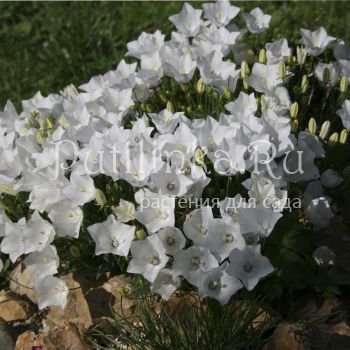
column 204, row 163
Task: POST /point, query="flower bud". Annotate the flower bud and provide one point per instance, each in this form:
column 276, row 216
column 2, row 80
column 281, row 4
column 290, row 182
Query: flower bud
column 294, row 109
column 33, row 123
column 43, row 124
column 149, row 108
column 304, row 84
column 294, row 125
column 344, row 84
column 343, row 136
column 210, row 91
column 75, row 252
column 227, row 93
column 325, row 129
column 63, row 122
column 282, row 70
column 8, row 190
column 140, row 234
column 312, row 126
column 189, row 110
column 244, row 69
column 100, row 198
column 200, row 108
column 326, row 75
column 39, row 137
column 262, row 56
column 170, row 107
column 200, row 87
column 333, row 139
column 245, row 84
column 199, row 156
column 301, row 55
column 291, row 59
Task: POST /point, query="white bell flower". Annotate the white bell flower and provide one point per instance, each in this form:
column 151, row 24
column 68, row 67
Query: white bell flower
column 148, row 257
column 154, row 211
column 315, row 42
column 188, row 21
column 112, row 237
column 257, row 21
column 277, row 51
column 13, row 242
column 81, row 189
column 249, row 266
column 38, row 233
column 66, row 219
column 172, row 185
column 264, row 78
column 51, row 291
column 334, row 73
column 165, row 284
column 196, row 225
column 190, row 263
column 146, row 44
column 165, row 121
column 172, row 238
column 125, row 211
column 223, row 237
column 44, row 263
column 220, row 13
column 344, row 114
column 331, row 178
column 218, row 284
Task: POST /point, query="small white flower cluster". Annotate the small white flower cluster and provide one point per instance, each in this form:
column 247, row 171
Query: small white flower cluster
column 217, row 254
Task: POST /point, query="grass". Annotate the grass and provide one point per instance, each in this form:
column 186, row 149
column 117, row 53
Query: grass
column 45, row 46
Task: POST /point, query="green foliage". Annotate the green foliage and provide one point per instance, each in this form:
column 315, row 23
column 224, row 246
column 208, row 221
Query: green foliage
column 189, row 325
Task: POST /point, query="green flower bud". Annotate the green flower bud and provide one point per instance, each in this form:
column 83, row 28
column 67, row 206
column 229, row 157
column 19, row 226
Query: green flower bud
column 326, row 75
column 325, row 130
column 63, row 122
column 170, row 107
column 294, row 125
column 294, row 109
column 200, row 87
column 100, row 198
column 304, row 84
column 8, row 190
column 199, row 156
column 227, row 93
column 344, row 84
column 291, row 59
column 301, row 55
column 244, row 69
column 200, row 108
column 343, row 136
column 282, row 70
column 189, row 110
column 333, row 139
column 74, row 251
column 149, row 108
column 40, row 135
column 245, row 84
column 140, row 234
column 312, row 126
column 262, row 56
column 210, row 90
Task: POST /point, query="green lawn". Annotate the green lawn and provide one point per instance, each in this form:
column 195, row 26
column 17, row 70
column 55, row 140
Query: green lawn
column 45, row 46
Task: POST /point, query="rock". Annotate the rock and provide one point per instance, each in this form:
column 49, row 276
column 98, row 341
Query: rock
column 12, row 308
column 107, row 296
column 26, row 341
column 22, row 282
column 68, row 336
column 287, row 336
column 7, row 336
column 76, row 309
